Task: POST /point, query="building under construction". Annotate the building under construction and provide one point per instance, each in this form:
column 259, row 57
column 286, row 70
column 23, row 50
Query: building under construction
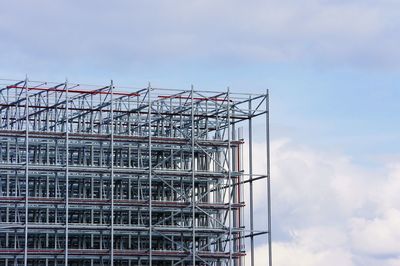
column 108, row 175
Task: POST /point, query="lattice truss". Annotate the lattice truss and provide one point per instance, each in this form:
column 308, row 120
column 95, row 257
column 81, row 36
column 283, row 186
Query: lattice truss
column 101, row 176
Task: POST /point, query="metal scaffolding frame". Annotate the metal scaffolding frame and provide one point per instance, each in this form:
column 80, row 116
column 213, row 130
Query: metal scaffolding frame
column 101, row 175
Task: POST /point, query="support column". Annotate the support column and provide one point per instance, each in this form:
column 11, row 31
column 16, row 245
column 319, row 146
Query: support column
column 112, row 172
column 193, row 181
column 150, row 179
column 268, row 179
column 251, row 185
column 26, row 170
column 230, row 190
column 66, row 172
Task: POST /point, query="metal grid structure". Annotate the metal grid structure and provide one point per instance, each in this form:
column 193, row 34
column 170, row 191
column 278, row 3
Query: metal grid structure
column 101, row 175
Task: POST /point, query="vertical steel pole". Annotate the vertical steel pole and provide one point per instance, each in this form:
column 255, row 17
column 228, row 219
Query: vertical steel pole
column 66, row 171
column 112, row 171
column 193, row 183
column 268, row 180
column 251, row 185
column 150, row 181
column 26, row 170
column 230, row 190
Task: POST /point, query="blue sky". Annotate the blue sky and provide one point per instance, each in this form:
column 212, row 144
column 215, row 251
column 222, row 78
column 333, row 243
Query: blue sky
column 332, row 68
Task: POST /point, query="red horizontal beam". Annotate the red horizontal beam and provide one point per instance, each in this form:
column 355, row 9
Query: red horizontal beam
column 73, row 91
column 194, row 98
column 117, row 252
column 118, row 202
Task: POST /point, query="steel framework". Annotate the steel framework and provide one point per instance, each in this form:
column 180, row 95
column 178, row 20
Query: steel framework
column 96, row 175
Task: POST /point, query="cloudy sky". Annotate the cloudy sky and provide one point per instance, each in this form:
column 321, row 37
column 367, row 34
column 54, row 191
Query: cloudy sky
column 332, row 67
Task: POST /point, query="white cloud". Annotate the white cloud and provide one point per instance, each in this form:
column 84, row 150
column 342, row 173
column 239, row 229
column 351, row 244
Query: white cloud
column 328, row 210
column 378, row 236
column 318, row 186
column 390, row 196
column 293, row 254
column 311, row 247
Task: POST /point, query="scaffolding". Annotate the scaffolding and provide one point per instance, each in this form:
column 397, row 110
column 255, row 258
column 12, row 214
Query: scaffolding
column 101, row 175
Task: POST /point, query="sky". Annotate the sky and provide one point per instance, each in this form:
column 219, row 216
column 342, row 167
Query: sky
column 332, row 69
